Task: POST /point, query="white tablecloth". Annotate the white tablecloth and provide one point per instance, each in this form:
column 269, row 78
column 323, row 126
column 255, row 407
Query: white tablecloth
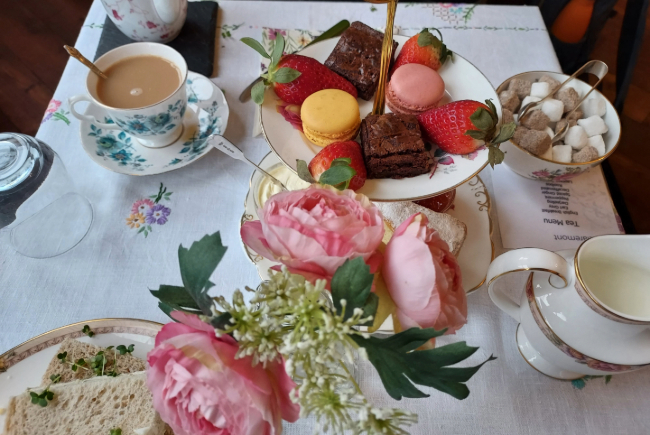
column 110, row 272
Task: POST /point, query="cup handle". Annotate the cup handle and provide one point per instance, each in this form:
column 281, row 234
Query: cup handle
column 521, row 260
column 77, row 98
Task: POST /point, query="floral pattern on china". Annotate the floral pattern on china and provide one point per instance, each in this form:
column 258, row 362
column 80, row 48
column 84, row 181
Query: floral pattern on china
column 158, row 124
column 147, row 20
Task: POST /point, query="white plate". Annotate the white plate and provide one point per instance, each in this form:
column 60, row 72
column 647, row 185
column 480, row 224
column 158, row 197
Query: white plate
column 120, row 152
column 471, row 206
column 463, row 81
column 26, row 363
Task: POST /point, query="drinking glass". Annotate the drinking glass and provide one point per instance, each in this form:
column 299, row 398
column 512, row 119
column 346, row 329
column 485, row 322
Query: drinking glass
column 41, row 214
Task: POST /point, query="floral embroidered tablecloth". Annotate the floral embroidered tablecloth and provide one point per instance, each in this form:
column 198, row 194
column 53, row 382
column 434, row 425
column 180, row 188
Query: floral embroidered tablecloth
column 139, row 223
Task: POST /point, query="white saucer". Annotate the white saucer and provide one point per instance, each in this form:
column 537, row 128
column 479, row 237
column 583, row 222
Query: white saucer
column 463, row 81
column 120, row 152
column 471, row 206
column 24, row 366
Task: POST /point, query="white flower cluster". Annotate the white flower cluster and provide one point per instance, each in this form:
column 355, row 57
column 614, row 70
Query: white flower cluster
column 289, row 316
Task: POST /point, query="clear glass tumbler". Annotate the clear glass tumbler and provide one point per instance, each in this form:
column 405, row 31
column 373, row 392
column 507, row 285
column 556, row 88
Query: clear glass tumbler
column 41, row 214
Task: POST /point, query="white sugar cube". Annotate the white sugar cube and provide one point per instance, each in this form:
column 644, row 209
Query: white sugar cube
column 562, row 153
column 553, row 109
column 540, row 89
column 548, row 155
column 594, row 106
column 550, row 132
column 576, row 137
column 593, row 125
column 598, row 143
column 530, row 99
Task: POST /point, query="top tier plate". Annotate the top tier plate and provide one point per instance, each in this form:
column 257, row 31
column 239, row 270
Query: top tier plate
column 463, row 81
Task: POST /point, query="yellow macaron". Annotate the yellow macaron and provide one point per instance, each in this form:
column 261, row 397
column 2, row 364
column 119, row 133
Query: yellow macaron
column 330, row 115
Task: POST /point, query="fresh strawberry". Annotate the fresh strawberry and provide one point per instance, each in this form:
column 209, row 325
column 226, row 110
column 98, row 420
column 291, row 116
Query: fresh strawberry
column 339, row 164
column 461, row 127
column 314, row 77
column 294, row 77
column 425, row 49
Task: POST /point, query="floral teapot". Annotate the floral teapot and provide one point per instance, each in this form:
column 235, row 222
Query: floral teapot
column 582, row 312
column 148, row 20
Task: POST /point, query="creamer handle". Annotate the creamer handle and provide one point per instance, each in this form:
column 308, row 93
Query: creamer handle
column 522, row 260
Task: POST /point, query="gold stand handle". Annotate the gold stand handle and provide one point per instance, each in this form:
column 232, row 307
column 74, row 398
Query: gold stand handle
column 386, row 57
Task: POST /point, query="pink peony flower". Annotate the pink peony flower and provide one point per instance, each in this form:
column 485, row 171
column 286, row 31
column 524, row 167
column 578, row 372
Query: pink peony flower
column 313, row 231
column 199, row 388
column 423, row 278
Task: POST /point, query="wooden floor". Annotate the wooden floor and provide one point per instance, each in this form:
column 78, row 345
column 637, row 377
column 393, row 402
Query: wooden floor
column 32, row 60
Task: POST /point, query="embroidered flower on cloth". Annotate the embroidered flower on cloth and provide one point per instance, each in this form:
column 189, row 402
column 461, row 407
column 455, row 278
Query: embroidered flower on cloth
column 142, row 206
column 158, row 215
column 146, row 212
column 135, row 220
column 54, row 111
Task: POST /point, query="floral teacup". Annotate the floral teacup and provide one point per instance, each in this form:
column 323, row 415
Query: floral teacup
column 153, row 126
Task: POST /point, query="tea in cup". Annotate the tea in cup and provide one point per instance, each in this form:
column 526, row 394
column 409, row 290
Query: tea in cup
column 144, row 94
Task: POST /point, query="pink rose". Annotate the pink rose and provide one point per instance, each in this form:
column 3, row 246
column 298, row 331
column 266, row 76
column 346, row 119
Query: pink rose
column 199, row 388
column 423, row 278
column 313, row 231
column 53, row 106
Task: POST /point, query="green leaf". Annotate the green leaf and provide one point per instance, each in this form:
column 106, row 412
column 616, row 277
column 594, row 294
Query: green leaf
column 257, row 92
column 303, row 171
column 74, row 367
column 607, row 379
column 197, row 264
column 476, row 134
column 55, row 378
column 175, row 295
column 255, row 45
column 482, row 119
column 285, row 75
column 505, row 133
column 352, row 282
column 370, row 308
column 332, row 32
column 400, row 366
column 495, row 155
column 278, row 49
column 42, row 402
column 341, row 161
column 493, row 110
column 338, row 176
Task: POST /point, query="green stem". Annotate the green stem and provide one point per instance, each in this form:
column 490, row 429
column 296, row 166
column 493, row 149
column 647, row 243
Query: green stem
column 350, row 377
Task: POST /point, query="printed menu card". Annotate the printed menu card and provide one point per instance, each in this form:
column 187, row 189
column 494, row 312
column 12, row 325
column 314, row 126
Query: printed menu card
column 552, row 214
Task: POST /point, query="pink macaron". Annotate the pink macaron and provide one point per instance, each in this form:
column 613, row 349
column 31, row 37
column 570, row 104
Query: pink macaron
column 414, row 89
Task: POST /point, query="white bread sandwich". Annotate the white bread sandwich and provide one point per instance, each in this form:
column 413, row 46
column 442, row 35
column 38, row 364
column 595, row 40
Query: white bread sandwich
column 92, row 406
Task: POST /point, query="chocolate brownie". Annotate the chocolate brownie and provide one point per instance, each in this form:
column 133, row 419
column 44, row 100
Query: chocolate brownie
column 357, row 57
column 392, row 146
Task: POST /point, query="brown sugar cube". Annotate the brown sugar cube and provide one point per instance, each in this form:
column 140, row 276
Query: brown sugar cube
column 562, row 122
column 586, row 154
column 509, row 100
column 552, row 83
column 535, row 120
column 575, row 115
column 521, row 87
column 536, row 142
column 569, row 97
column 506, row 116
column 519, row 134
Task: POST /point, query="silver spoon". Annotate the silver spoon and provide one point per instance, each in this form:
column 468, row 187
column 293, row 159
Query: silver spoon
column 227, row 147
